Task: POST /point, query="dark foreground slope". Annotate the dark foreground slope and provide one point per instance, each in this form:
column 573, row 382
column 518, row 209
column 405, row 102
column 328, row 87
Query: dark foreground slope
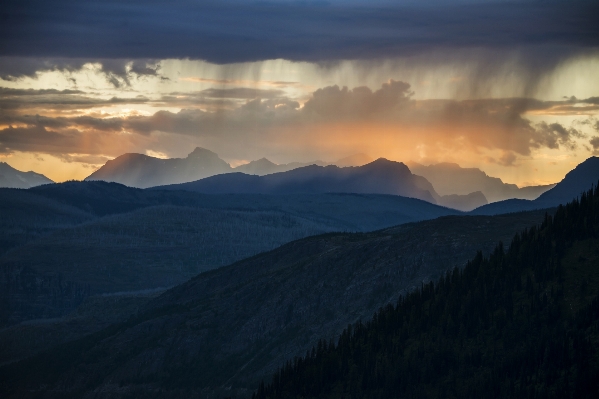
column 521, row 323
column 572, row 185
column 233, row 326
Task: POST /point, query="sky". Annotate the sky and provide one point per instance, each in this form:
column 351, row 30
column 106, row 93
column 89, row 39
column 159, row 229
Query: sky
column 510, row 87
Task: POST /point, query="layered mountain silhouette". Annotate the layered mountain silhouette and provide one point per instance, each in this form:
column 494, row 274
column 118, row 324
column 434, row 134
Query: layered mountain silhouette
column 138, row 170
column 13, row 178
column 142, row 171
column 79, row 239
column 264, row 166
column 235, row 325
column 378, row 177
column 451, row 178
column 573, row 184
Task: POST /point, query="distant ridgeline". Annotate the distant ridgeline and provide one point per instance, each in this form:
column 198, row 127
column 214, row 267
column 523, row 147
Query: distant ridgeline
column 522, row 323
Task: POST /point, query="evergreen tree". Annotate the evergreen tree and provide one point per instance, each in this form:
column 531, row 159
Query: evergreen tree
column 519, row 323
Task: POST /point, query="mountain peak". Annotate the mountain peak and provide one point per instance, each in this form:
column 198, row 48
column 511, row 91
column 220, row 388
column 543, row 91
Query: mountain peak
column 14, row 178
column 142, row 171
column 387, row 163
column 264, row 161
column 199, row 152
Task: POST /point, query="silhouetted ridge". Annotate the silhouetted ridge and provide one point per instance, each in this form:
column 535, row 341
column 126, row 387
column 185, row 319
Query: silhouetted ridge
column 510, row 325
column 200, row 152
column 379, row 177
column 138, row 170
column 571, row 186
column 451, row 179
column 13, row 178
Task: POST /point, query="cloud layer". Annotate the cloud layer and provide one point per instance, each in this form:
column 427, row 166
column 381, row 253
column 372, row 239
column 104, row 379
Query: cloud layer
column 239, row 31
column 255, row 120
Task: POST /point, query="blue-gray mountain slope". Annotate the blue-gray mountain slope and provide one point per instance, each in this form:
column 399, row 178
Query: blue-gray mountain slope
column 378, row 177
column 574, row 183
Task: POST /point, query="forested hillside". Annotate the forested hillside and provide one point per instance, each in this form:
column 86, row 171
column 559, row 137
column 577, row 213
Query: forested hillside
column 60, row 243
column 523, row 322
column 225, row 330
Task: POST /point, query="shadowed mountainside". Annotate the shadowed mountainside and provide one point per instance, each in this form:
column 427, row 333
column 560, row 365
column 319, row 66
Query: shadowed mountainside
column 142, row 171
column 463, row 202
column 235, row 325
column 378, row 177
column 572, row 185
column 26, row 216
column 523, row 322
column 263, row 166
column 155, row 247
column 13, row 178
column 138, row 170
column 89, row 238
column 450, row 178
column 355, row 212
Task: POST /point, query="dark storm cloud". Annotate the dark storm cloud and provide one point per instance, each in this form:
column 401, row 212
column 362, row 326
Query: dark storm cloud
column 12, row 68
column 118, row 72
column 237, row 31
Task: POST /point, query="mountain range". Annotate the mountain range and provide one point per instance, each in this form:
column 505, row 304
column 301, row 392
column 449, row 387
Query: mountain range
column 448, row 184
column 450, row 178
column 138, row 170
column 13, row 178
column 274, row 278
column 142, row 171
column 522, row 322
column 460, row 188
column 71, row 237
column 584, row 175
column 263, row 166
column 79, row 239
column 378, row 177
column 235, row 325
